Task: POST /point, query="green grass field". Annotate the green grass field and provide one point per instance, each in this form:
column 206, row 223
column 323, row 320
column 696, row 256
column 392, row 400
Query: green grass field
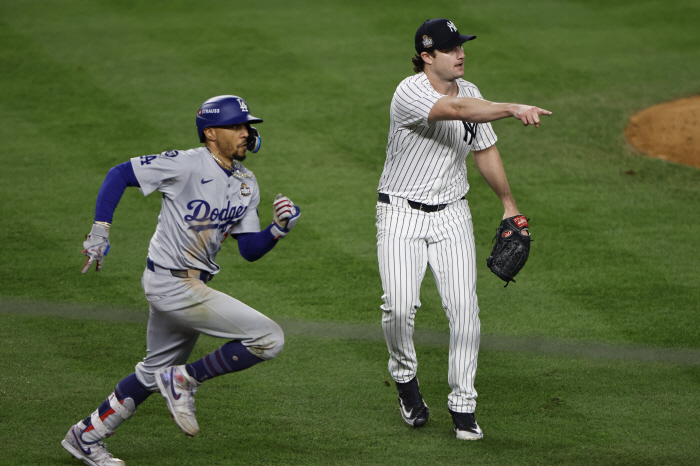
column 87, row 85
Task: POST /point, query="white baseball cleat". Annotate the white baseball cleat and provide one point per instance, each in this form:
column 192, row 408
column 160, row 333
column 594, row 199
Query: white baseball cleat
column 466, row 427
column 178, row 389
column 94, row 454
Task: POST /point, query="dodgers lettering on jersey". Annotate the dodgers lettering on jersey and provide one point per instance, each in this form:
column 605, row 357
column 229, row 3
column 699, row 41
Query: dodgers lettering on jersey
column 425, row 162
column 201, row 204
column 202, row 212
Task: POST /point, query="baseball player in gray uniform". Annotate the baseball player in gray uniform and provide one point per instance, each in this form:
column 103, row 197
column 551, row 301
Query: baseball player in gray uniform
column 423, row 218
column 207, row 196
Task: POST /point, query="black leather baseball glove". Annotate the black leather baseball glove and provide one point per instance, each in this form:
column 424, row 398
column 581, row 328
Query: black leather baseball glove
column 511, row 250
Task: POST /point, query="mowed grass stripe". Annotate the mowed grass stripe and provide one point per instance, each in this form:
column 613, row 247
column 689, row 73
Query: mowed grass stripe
column 350, row 331
column 330, row 401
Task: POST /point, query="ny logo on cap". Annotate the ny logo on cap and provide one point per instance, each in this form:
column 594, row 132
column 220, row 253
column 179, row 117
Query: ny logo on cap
column 452, row 26
column 244, row 107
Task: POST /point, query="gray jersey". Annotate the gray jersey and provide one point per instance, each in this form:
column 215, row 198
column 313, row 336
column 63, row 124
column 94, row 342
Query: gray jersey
column 425, row 162
column 202, row 204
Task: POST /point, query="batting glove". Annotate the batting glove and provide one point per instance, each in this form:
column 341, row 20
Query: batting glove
column 96, row 246
column 286, row 215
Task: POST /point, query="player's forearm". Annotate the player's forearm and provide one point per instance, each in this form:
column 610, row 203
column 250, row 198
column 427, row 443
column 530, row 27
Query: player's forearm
column 253, row 246
column 473, row 110
column 469, row 109
column 112, row 189
column 490, row 165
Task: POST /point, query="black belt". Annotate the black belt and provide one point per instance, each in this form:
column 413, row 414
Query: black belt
column 199, row 274
column 384, row 198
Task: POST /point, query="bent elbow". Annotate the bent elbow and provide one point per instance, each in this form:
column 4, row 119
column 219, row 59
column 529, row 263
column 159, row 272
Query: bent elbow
column 249, row 257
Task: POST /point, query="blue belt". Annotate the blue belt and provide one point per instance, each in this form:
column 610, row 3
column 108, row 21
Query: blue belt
column 384, row 198
column 193, row 273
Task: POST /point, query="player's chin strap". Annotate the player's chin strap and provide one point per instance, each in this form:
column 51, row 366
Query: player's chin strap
column 253, row 140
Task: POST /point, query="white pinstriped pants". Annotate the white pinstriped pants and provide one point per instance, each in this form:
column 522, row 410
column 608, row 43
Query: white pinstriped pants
column 407, row 241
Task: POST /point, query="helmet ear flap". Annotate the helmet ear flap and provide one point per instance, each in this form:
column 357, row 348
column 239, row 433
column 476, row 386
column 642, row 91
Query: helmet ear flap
column 253, row 140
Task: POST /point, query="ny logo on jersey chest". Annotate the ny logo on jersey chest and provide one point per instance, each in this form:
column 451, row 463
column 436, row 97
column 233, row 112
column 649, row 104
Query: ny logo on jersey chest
column 469, row 132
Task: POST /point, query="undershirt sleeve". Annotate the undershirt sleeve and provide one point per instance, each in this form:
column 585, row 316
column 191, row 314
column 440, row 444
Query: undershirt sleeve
column 253, row 246
column 117, row 180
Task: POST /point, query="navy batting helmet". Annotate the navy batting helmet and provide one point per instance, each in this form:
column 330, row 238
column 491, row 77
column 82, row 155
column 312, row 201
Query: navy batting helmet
column 221, row 111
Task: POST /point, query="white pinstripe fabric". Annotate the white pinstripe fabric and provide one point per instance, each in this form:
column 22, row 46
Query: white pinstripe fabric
column 408, row 240
column 425, row 161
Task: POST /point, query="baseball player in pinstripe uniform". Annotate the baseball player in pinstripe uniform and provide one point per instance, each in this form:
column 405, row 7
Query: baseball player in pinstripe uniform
column 423, row 218
column 207, row 196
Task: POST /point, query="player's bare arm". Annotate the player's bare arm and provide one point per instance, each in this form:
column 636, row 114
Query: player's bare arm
column 474, row 110
column 490, row 165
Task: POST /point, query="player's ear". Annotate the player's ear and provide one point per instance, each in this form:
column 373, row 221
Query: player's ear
column 209, row 133
column 427, row 58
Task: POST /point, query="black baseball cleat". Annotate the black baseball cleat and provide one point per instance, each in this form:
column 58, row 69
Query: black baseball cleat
column 413, row 408
column 466, row 427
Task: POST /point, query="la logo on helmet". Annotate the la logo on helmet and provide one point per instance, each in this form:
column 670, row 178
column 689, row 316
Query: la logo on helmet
column 244, row 107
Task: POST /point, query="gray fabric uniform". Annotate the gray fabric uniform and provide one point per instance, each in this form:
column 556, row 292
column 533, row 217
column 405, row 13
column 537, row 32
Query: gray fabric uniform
column 202, row 205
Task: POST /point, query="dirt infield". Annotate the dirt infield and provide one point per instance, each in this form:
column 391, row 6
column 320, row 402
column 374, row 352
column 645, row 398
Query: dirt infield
column 668, row 131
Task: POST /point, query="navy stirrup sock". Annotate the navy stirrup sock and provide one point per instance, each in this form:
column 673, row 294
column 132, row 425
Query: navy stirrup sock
column 231, row 357
column 130, row 387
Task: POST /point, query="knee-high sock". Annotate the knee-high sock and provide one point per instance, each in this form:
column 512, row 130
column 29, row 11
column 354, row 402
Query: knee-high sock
column 118, row 407
column 231, row 357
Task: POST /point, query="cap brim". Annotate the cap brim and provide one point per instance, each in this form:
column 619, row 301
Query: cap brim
column 252, row 119
column 459, row 40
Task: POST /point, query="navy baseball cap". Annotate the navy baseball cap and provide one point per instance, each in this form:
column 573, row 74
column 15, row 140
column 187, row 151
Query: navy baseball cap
column 439, row 34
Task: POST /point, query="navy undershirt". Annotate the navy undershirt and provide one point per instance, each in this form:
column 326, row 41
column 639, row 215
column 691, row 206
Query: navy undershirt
column 252, row 246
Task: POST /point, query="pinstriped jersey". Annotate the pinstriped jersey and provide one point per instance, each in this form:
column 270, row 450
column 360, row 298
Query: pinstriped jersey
column 425, row 162
column 202, row 203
